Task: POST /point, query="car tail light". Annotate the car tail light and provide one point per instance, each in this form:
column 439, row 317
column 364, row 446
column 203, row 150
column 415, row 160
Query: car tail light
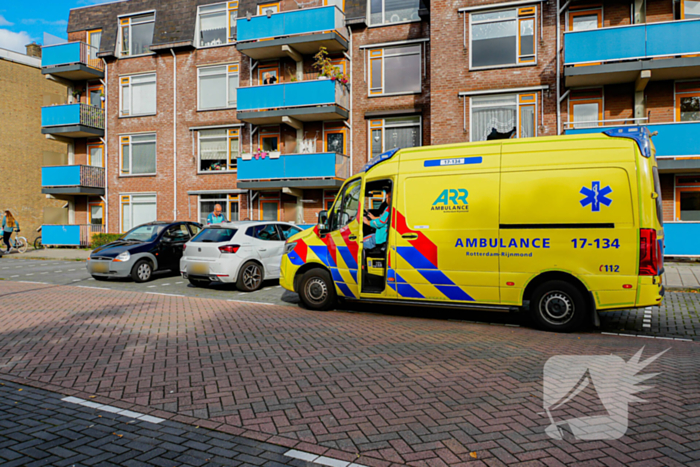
column 648, row 253
column 229, row 248
column 184, row 247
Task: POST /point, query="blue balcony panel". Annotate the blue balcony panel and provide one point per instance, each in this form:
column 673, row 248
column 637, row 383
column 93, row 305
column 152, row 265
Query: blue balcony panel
column 307, row 101
column 672, row 140
column 315, row 170
column 73, row 180
column 73, row 120
column 263, row 37
column 618, row 54
column 73, row 61
column 681, row 239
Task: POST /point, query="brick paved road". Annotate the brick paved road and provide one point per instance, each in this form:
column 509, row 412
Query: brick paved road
column 678, row 317
column 390, row 387
column 38, row 428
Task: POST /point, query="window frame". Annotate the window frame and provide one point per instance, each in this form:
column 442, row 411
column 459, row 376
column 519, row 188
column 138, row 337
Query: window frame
column 520, row 103
column 227, row 8
column 678, row 189
column 261, row 209
column 379, row 54
column 384, row 22
column 679, row 94
column 129, row 197
column 231, row 133
column 584, row 10
column 335, row 130
column 93, row 61
column 274, row 131
column 125, row 81
column 231, row 70
column 89, row 147
column 588, row 96
column 380, row 124
column 226, row 200
column 683, row 10
column 125, row 21
column 89, row 211
column 261, row 8
column 126, row 140
column 521, row 13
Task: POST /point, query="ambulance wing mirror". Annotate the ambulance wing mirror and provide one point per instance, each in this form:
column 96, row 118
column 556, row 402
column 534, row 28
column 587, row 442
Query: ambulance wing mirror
column 322, row 220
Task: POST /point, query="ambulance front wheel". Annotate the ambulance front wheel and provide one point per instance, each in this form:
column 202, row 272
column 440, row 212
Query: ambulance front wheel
column 317, row 290
column 558, row 306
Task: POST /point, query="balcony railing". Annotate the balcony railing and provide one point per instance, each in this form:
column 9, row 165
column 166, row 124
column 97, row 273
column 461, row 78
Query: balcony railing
column 289, row 23
column 73, row 176
column 70, row 53
column 632, row 42
column 295, row 166
column 294, row 94
column 671, row 139
column 73, row 114
column 70, row 235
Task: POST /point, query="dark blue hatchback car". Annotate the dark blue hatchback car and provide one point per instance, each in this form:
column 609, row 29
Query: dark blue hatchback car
column 156, row 246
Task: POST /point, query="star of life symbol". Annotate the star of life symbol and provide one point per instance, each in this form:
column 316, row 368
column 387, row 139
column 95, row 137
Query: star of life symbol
column 609, row 376
column 595, row 196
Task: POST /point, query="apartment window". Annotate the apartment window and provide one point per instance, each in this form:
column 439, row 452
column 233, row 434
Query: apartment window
column 393, row 11
column 137, row 95
column 217, row 87
column 270, row 139
column 585, row 19
column 94, row 38
column 216, row 24
column 138, row 154
column 687, row 198
column 137, row 209
column 268, row 8
column 219, row 150
column 395, row 70
column 688, row 101
column 502, row 38
column 586, row 108
column 229, row 206
column 503, row 116
column 690, row 9
column 391, row 133
column 136, row 34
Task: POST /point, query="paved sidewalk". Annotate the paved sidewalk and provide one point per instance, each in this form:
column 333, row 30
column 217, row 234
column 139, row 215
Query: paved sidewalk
column 685, row 275
column 66, row 254
column 41, row 428
column 375, row 389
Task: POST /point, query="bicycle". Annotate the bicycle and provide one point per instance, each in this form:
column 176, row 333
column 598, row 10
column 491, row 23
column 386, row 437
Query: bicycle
column 38, row 245
column 19, row 243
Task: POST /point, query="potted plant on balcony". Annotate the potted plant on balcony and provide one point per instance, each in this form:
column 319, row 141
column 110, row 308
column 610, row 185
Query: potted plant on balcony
column 76, row 97
column 260, row 154
column 323, row 64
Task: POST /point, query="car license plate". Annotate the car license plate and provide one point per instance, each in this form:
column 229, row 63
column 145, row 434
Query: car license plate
column 100, row 268
column 199, row 268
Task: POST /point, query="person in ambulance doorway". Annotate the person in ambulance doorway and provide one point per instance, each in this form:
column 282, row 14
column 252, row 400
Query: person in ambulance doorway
column 380, row 224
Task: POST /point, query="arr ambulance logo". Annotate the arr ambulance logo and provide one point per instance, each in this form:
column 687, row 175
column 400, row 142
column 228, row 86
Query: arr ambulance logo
column 452, row 200
column 595, row 196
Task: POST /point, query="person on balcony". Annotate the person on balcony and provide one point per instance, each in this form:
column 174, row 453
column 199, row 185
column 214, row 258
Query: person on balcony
column 269, row 79
column 216, row 217
column 9, row 225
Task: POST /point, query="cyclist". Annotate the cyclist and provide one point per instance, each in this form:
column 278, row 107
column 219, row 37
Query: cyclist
column 9, row 225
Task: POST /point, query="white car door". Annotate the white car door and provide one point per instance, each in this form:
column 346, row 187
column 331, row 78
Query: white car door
column 270, row 246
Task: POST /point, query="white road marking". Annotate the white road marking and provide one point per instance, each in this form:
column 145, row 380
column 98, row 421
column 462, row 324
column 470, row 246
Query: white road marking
column 13, row 276
column 166, row 294
column 30, row 282
column 179, row 283
column 150, row 286
column 88, row 287
column 163, row 285
column 115, row 410
column 29, row 274
column 71, row 270
column 248, row 301
column 321, row 460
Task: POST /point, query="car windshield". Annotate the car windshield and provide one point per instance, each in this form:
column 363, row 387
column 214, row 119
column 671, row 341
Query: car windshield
column 215, row 235
column 143, row 233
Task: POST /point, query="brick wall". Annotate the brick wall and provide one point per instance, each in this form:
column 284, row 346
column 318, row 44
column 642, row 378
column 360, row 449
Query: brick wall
column 22, row 91
column 451, row 73
column 660, row 105
column 619, row 101
column 667, row 196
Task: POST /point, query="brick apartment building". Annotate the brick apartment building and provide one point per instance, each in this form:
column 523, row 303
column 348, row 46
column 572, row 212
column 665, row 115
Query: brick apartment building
column 23, row 90
column 219, row 102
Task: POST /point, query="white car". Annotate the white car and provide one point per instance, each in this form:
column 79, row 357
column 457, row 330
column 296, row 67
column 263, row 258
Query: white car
column 242, row 252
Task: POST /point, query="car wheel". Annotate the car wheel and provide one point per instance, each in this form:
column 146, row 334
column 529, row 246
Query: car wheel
column 317, row 290
column 250, row 277
column 199, row 282
column 558, row 306
column 142, row 271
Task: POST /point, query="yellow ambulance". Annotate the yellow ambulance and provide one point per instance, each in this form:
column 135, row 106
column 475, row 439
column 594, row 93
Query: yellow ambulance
column 559, row 226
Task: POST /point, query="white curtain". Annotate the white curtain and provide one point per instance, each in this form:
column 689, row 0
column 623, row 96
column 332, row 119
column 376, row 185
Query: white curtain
column 485, row 119
column 212, row 149
column 144, row 95
column 212, row 88
column 144, row 209
column 400, row 138
column 143, row 157
column 232, row 89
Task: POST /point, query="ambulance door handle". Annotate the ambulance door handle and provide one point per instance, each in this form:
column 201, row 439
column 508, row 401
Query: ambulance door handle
column 409, row 236
column 352, row 237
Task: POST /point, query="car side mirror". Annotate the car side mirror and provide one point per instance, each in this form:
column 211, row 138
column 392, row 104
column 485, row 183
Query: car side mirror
column 322, row 220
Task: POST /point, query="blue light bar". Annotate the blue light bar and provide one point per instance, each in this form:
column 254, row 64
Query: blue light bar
column 380, row 158
column 638, row 133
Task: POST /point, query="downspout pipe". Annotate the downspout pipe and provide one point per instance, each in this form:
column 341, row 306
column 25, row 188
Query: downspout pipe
column 105, row 150
column 174, row 134
column 558, row 46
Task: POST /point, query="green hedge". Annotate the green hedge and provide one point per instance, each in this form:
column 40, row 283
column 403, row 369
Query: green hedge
column 102, row 239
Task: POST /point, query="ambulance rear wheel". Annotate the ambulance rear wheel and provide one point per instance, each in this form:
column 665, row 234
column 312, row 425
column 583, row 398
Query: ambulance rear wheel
column 558, row 306
column 317, row 290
